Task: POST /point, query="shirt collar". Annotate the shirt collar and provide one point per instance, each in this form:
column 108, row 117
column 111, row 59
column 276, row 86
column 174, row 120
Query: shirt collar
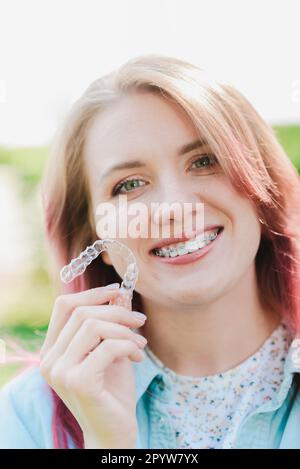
column 146, row 370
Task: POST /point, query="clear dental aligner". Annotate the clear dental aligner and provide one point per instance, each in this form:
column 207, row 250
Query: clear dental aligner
column 78, row 265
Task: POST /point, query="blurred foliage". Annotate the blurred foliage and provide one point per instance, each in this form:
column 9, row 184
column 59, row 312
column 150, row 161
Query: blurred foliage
column 26, row 337
column 34, row 303
column 289, row 137
column 28, row 163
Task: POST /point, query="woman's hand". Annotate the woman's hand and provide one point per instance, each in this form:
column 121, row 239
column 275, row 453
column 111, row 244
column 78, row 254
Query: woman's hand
column 95, row 380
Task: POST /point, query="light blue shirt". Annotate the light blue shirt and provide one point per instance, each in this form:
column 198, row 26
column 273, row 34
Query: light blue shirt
column 26, row 411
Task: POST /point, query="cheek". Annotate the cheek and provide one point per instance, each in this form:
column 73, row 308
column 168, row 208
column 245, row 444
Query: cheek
column 122, row 220
column 105, row 221
column 243, row 229
column 247, row 233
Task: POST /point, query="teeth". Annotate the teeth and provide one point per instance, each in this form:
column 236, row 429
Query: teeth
column 179, row 249
column 172, row 252
column 192, row 246
column 182, row 250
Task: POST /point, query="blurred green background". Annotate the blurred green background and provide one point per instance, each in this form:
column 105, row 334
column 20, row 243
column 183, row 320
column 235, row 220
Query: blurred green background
column 27, row 291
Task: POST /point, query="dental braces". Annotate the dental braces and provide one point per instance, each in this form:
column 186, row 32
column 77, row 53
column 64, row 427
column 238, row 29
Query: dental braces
column 79, row 264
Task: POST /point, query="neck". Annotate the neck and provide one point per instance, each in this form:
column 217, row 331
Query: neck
column 213, row 337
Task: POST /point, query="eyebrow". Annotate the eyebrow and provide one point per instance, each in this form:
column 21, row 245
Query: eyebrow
column 139, row 164
column 192, row 146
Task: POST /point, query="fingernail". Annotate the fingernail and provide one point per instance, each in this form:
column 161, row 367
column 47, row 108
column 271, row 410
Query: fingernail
column 113, row 285
column 139, row 315
column 141, row 340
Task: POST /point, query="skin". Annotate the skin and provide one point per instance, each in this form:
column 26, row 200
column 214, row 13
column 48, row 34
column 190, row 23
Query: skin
column 212, row 319
column 86, row 359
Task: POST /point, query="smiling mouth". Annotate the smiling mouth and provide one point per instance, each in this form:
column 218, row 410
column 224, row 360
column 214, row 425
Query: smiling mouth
column 189, row 246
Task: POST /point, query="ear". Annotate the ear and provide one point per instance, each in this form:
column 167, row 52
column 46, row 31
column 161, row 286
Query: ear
column 106, row 258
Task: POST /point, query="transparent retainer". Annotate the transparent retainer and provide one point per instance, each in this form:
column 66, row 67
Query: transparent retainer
column 78, row 265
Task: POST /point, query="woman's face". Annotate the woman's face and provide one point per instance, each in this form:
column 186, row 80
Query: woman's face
column 148, row 130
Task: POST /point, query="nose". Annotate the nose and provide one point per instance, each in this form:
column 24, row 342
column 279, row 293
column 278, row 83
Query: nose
column 179, row 208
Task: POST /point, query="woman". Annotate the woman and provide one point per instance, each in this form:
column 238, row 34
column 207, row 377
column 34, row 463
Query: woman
column 219, row 369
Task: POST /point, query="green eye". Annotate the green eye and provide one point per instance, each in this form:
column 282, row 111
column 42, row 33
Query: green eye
column 205, row 161
column 128, row 185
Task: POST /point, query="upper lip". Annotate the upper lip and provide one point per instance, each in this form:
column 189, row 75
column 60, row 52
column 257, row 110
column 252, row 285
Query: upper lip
column 167, row 241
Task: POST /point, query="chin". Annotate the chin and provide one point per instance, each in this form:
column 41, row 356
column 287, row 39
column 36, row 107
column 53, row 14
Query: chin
column 192, row 295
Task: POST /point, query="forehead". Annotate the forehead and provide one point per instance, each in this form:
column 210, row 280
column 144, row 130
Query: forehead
column 139, row 122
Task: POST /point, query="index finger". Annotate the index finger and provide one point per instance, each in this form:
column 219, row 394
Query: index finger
column 65, row 304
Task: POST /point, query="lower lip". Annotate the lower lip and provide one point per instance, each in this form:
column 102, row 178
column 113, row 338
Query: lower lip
column 190, row 257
